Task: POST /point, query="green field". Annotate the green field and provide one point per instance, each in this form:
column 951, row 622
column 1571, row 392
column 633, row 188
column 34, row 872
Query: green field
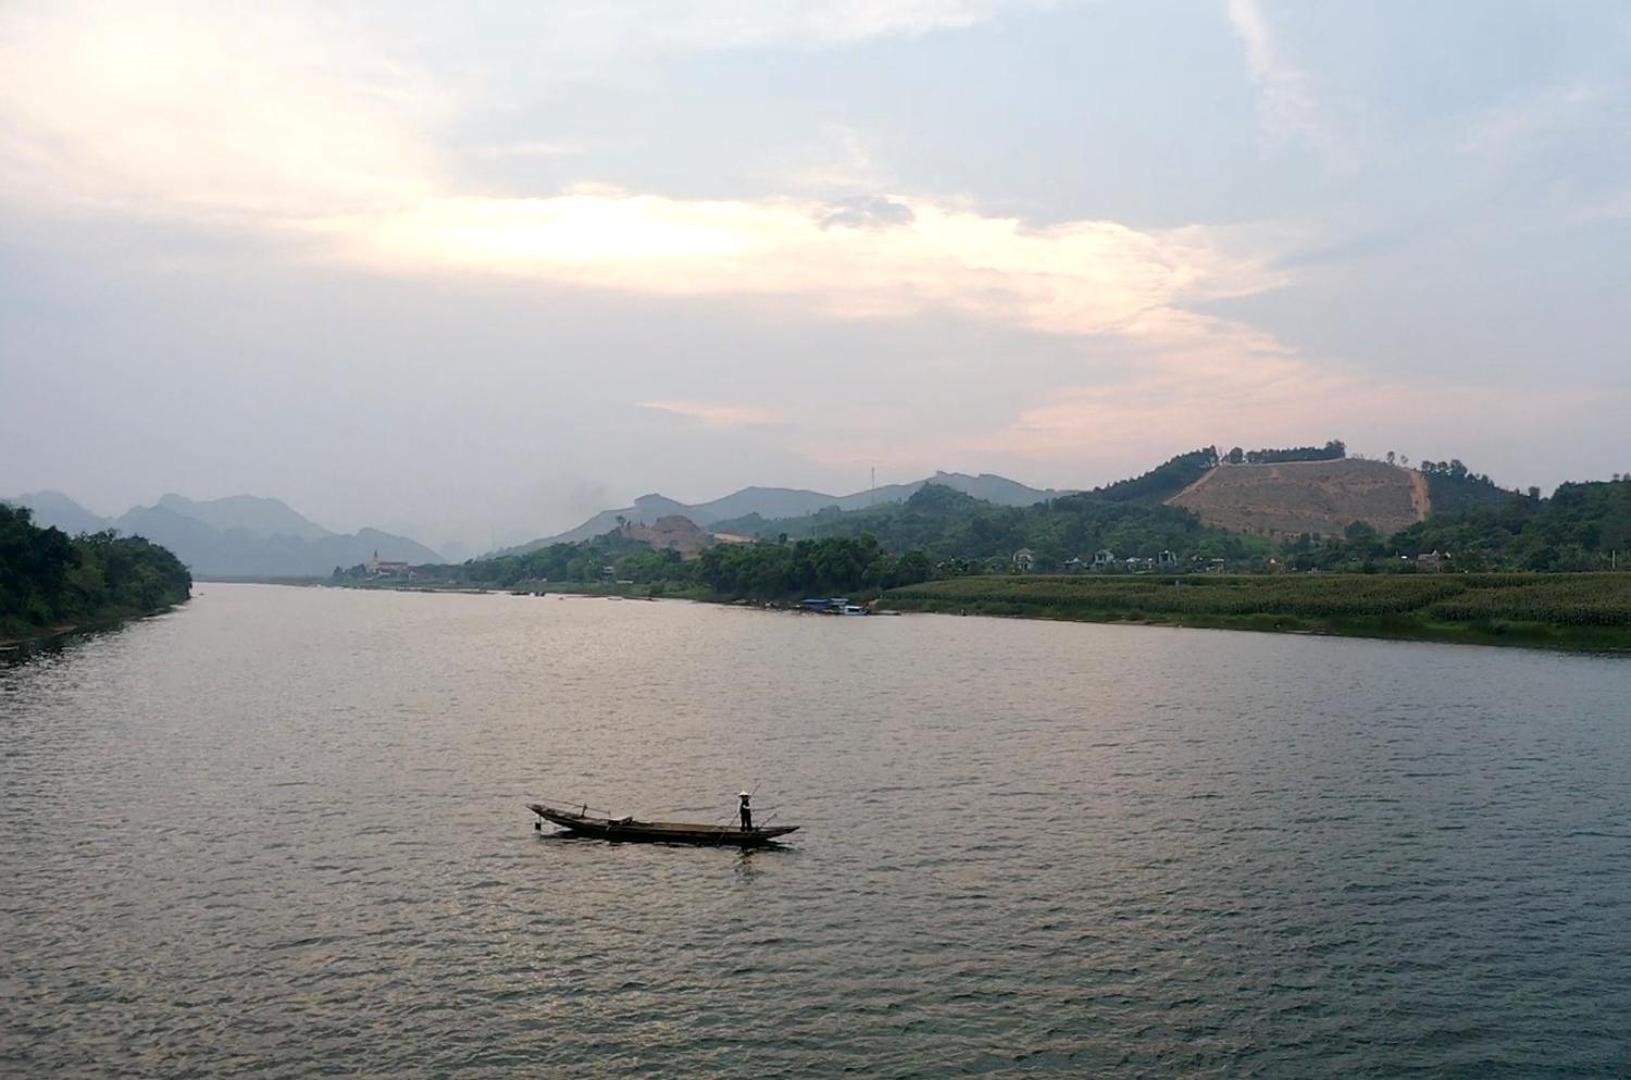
column 1572, row 611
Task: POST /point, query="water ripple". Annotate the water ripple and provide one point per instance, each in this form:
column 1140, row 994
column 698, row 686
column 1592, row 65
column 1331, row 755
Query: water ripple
column 279, row 832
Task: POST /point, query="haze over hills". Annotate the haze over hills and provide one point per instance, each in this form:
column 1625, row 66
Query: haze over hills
column 774, row 502
column 237, row 536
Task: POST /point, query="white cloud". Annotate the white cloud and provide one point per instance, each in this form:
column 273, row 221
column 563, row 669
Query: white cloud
column 270, row 124
column 668, row 25
column 217, row 115
column 532, row 149
column 1287, row 107
column 1235, row 385
column 1516, row 126
column 718, row 414
column 1081, row 277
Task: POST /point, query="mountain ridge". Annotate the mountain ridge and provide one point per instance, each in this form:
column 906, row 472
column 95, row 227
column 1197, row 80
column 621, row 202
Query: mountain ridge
column 779, row 502
column 234, row 536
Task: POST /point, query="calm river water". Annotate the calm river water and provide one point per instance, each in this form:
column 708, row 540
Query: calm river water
column 282, row 831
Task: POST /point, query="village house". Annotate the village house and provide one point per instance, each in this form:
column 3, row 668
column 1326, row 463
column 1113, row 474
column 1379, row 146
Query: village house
column 378, row 567
column 1103, row 559
column 1024, row 559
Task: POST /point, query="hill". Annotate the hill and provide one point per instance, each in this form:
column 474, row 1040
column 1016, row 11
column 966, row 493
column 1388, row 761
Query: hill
column 240, row 551
column 237, row 536
column 671, row 533
column 54, row 510
column 262, row 517
column 739, row 511
column 51, row 582
column 1289, row 498
column 950, row 526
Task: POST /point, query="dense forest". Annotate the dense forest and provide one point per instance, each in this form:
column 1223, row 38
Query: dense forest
column 49, row 580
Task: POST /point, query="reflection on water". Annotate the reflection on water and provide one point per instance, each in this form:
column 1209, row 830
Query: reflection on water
column 283, row 830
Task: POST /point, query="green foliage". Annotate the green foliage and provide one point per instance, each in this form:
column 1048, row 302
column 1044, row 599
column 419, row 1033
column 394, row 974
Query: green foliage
column 829, row 566
column 1164, row 481
column 1581, row 527
column 953, row 528
column 1568, row 599
column 49, row 579
column 1335, row 450
column 1280, row 594
column 941, row 532
column 1585, row 610
column 1454, row 489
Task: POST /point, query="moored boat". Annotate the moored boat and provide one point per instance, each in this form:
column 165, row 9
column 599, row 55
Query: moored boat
column 629, row 830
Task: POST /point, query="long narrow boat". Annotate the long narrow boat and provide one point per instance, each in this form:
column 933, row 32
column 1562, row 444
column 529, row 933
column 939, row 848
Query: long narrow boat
column 656, row 832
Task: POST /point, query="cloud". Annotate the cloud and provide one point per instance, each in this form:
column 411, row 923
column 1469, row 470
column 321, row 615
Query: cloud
column 668, row 25
column 1233, row 385
column 1521, row 124
column 717, row 413
column 1287, row 108
column 284, row 125
column 863, row 211
column 213, row 116
column 1077, row 277
column 534, row 149
column 274, row 127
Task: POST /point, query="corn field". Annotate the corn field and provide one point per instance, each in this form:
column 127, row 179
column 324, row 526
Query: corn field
column 1556, row 599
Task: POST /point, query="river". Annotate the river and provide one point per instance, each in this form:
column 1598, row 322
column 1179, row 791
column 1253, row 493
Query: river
column 281, row 831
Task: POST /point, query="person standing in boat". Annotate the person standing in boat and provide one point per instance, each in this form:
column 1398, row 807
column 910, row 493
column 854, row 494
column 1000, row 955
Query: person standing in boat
column 747, row 811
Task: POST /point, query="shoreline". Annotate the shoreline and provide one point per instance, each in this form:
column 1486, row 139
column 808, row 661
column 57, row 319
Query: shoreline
column 48, row 636
column 1544, row 636
column 1548, row 636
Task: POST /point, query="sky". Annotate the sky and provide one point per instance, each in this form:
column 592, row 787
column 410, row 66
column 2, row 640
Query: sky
column 476, row 271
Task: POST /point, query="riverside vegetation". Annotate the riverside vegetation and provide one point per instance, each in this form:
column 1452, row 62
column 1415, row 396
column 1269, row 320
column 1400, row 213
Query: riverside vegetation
column 51, row 582
column 1584, row 610
column 944, row 550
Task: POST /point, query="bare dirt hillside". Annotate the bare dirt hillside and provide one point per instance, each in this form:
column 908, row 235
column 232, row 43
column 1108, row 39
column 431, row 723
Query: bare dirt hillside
column 673, row 531
column 1322, row 497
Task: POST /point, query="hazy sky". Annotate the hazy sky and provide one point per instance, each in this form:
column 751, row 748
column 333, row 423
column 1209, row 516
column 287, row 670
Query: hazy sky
column 451, row 268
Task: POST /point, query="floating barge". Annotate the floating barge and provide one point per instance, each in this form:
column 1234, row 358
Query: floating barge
column 628, row 830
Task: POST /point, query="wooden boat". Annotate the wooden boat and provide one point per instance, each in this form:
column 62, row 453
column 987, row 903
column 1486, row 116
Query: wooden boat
column 655, row 832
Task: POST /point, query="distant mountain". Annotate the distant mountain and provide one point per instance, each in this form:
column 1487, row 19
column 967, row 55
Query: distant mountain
column 54, row 510
column 263, row 517
column 245, row 536
column 238, row 536
column 773, row 502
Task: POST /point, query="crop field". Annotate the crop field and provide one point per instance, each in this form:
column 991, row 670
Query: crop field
column 1581, row 610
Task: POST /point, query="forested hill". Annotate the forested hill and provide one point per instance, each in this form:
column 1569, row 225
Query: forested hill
column 236, row 536
column 50, row 581
column 948, row 525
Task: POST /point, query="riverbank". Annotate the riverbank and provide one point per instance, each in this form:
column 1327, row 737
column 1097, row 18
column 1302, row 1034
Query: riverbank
column 1579, row 612
column 20, row 637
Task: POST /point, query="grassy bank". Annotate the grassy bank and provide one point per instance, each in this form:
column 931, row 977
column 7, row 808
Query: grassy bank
column 1567, row 611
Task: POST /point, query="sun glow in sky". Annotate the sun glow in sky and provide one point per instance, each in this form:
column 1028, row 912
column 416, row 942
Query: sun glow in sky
column 445, row 271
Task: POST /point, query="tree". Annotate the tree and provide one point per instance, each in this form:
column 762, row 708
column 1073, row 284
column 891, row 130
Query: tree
column 913, row 567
